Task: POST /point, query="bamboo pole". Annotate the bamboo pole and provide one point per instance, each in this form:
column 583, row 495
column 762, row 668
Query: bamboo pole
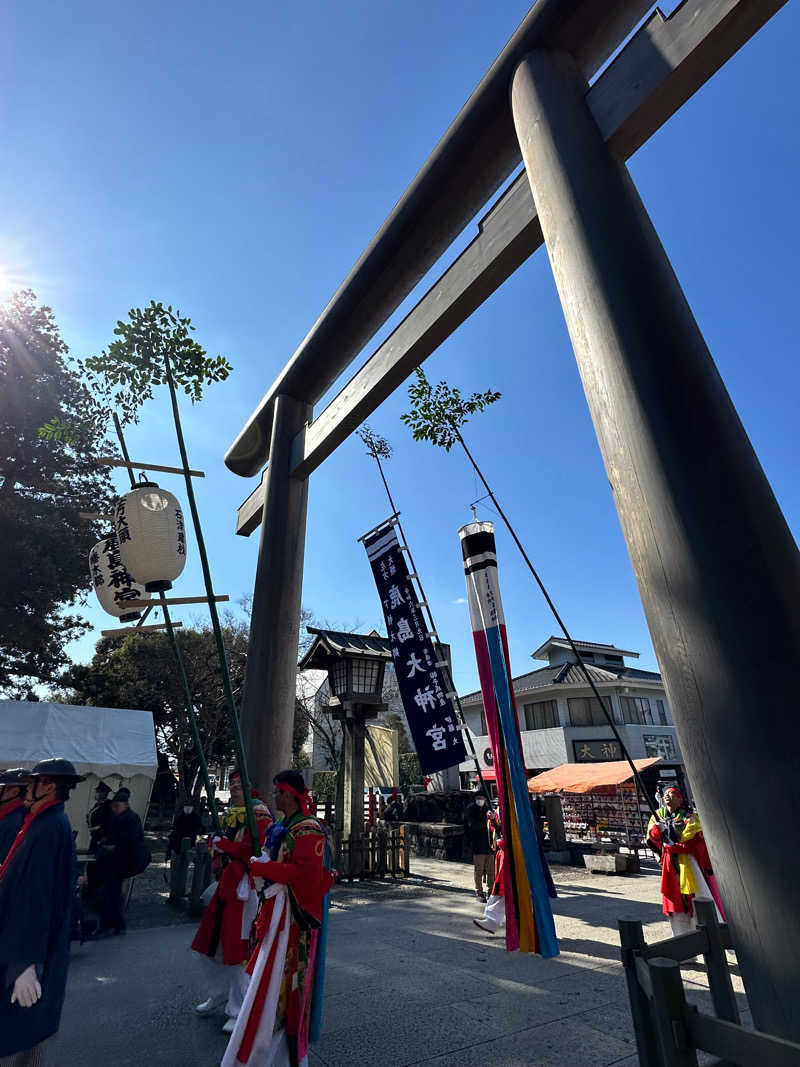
column 212, row 608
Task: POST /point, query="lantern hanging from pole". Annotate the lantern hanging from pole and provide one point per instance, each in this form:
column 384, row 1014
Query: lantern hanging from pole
column 113, row 584
column 152, row 535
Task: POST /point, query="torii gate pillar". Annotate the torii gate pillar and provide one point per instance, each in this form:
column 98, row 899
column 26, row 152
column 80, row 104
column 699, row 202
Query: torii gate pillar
column 268, row 700
column 716, row 565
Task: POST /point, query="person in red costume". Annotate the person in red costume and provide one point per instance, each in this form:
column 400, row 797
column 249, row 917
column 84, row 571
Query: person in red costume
column 675, row 835
column 223, row 937
column 273, row 1026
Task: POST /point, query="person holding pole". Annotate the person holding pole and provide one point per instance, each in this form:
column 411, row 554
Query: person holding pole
column 675, row 835
column 223, row 937
column 278, row 1019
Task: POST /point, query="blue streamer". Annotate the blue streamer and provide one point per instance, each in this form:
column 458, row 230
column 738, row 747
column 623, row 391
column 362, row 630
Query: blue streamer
column 315, row 1019
column 543, row 912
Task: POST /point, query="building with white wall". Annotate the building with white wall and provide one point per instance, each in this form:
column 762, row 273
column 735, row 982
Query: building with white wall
column 560, row 718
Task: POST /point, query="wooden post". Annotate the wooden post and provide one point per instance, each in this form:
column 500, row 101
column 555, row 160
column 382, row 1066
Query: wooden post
column 268, row 697
column 201, row 877
column 669, row 1008
column 719, row 977
column 715, row 562
column 178, row 872
column 632, row 943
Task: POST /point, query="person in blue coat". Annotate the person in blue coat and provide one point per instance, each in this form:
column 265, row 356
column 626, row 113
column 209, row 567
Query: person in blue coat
column 36, row 886
column 12, row 807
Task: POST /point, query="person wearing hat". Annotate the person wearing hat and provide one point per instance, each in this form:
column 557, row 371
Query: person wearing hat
column 223, row 936
column 122, row 853
column 12, row 807
column 36, row 885
column 675, row 835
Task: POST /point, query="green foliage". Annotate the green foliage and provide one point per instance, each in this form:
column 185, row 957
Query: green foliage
column 324, row 786
column 377, row 447
column 44, row 544
column 153, row 343
column 137, row 670
column 438, row 412
column 410, row 771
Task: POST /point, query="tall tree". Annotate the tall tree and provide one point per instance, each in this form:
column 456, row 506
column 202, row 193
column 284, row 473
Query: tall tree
column 43, row 541
column 137, row 670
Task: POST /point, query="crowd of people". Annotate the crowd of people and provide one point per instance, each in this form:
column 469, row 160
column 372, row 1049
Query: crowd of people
column 261, row 936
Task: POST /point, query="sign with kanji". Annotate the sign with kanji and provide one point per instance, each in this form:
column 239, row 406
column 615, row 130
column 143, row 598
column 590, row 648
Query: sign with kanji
column 659, row 745
column 423, row 683
column 597, row 751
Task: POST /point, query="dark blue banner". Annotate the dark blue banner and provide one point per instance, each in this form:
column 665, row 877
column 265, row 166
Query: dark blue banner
column 429, row 707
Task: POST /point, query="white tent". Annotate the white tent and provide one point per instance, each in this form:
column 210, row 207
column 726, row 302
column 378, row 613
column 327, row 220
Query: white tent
column 113, row 745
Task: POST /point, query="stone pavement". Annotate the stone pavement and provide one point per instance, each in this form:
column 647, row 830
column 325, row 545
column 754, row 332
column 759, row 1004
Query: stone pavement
column 410, row 981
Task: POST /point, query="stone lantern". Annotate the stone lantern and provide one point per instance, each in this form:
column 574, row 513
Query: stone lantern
column 355, row 664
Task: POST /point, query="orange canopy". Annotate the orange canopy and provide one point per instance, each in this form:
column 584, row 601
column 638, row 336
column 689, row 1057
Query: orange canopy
column 586, row 777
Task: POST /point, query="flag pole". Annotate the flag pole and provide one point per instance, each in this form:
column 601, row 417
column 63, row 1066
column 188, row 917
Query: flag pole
column 581, row 663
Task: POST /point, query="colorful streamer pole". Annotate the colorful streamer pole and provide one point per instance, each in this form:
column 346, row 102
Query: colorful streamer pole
column 529, row 916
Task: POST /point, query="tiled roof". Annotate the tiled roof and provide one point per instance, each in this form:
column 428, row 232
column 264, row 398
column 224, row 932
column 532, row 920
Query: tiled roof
column 586, row 646
column 332, row 643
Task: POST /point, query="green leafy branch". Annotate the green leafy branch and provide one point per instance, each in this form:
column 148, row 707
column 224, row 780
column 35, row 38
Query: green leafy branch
column 377, row 447
column 149, row 342
column 438, row 412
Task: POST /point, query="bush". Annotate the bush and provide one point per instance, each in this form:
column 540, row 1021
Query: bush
column 410, row 771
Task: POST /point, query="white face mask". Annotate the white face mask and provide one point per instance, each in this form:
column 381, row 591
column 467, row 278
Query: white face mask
column 187, row 811
column 480, row 801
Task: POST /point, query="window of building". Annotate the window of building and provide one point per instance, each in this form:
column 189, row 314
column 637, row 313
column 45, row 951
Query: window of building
column 484, row 727
column 636, row 711
column 662, row 713
column 614, row 659
column 586, row 711
column 542, row 715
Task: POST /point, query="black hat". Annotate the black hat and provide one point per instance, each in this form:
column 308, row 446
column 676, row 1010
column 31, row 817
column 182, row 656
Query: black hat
column 123, row 795
column 13, row 776
column 55, row 768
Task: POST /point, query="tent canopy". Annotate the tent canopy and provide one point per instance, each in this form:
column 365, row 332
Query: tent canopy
column 99, row 741
column 587, row 777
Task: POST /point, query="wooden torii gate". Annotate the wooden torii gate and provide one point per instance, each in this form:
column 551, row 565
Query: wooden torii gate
column 714, row 560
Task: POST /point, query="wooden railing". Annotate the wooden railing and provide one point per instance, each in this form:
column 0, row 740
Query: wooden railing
column 374, row 854
column 668, row 1030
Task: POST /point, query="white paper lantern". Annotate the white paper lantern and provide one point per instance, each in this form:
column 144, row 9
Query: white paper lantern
column 113, row 584
column 152, row 536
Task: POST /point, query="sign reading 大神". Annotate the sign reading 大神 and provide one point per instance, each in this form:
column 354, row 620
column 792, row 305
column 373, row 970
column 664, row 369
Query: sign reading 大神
column 430, row 711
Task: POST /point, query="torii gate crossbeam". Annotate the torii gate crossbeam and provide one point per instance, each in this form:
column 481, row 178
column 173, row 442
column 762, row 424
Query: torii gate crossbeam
column 715, row 563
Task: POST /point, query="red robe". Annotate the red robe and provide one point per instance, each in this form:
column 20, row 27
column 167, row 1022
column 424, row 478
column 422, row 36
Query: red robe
column 301, row 867
column 222, row 919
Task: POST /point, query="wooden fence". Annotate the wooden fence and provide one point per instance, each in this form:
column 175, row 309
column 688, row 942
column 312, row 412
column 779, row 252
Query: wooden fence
column 374, row 854
column 668, row 1030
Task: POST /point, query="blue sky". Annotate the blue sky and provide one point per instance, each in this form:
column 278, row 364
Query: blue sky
column 235, row 160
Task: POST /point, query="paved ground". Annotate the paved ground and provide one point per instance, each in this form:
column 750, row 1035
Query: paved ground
column 410, row 982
